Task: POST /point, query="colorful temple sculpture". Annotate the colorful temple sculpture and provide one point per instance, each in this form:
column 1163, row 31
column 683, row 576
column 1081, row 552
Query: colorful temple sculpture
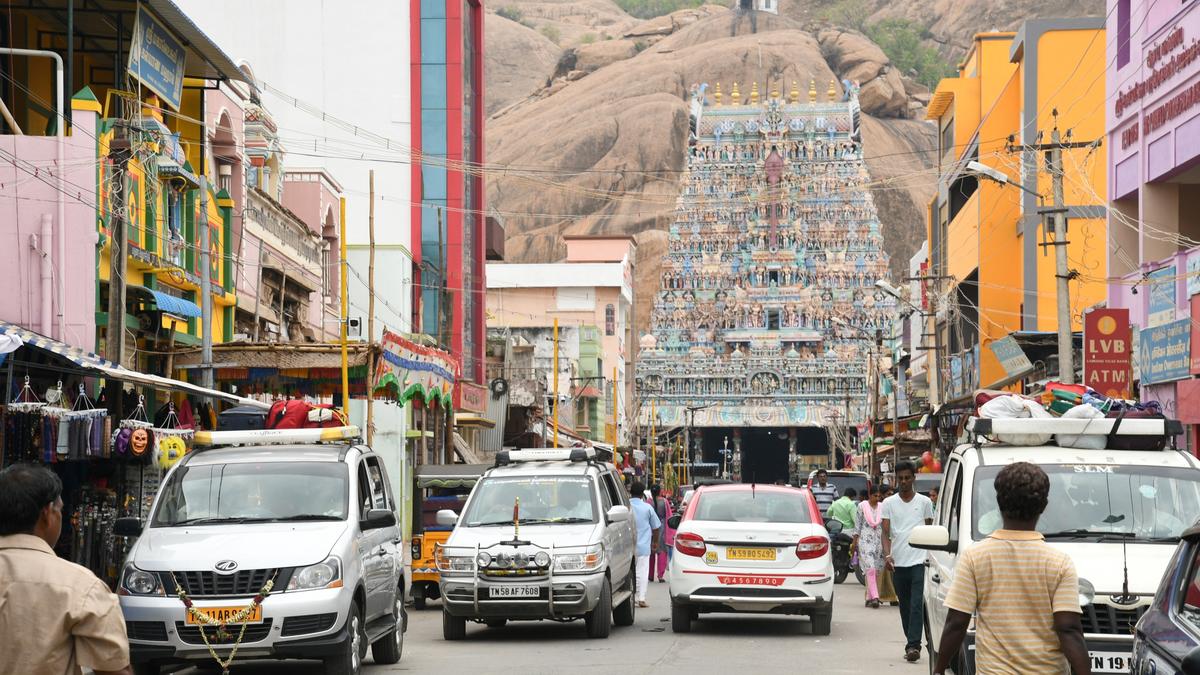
column 768, row 313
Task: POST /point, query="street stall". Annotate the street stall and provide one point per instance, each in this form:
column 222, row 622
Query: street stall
column 55, row 413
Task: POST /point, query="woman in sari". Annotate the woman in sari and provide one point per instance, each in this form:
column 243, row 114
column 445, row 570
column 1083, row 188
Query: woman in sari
column 868, row 541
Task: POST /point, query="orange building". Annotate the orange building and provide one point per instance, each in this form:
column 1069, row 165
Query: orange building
column 991, row 276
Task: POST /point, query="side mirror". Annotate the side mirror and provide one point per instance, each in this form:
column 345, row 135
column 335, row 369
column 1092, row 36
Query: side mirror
column 378, row 518
column 618, row 513
column 127, row 527
column 1191, row 662
column 834, row 526
column 673, row 521
column 932, row 538
column 447, row 517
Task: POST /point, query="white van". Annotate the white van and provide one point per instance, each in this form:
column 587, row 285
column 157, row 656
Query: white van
column 1118, row 513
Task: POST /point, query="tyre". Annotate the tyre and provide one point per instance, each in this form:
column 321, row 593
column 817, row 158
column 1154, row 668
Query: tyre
column 453, row 627
column 623, row 614
column 419, row 596
column 681, row 618
column 388, row 649
column 349, row 659
column 496, row 623
column 599, row 620
column 822, row 622
column 858, row 574
column 839, row 576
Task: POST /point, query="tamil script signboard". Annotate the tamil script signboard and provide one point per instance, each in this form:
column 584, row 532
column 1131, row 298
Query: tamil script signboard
column 1165, row 352
column 1193, row 274
column 156, row 58
column 1162, row 296
column 1012, row 357
column 1108, row 351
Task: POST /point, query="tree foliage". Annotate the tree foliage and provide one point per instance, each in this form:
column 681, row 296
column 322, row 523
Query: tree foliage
column 903, row 42
column 648, row 9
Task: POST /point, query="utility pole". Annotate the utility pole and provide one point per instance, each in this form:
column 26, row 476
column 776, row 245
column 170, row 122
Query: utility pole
column 114, row 342
column 554, row 409
column 371, row 309
column 1066, row 346
column 342, row 265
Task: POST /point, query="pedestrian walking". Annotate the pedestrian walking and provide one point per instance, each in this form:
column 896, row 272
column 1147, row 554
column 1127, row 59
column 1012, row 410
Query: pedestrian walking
column 662, row 509
column 868, row 541
column 55, row 616
column 901, row 513
column 647, row 526
column 824, row 492
column 1023, row 592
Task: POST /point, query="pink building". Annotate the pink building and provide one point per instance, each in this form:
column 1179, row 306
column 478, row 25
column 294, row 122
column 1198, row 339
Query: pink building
column 49, row 244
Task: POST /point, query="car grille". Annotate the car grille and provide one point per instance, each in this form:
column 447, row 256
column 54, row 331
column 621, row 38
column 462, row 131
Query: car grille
column 1108, row 620
column 209, row 584
column 726, row 591
column 566, row 594
column 150, row 631
column 312, row 623
column 254, row 633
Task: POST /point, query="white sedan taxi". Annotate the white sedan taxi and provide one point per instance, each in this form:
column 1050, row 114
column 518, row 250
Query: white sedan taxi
column 751, row 548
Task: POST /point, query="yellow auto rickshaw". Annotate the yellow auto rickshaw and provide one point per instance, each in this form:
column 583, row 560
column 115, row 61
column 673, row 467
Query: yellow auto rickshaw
column 439, row 486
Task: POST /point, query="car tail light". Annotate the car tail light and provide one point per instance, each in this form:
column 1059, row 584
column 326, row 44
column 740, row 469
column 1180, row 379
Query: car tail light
column 810, row 547
column 690, row 543
column 416, row 548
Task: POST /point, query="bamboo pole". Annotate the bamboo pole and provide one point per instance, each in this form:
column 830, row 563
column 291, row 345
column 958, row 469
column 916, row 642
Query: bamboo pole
column 345, row 310
column 371, row 308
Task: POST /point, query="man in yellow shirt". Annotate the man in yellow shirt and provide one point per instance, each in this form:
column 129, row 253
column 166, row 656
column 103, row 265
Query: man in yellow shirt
column 55, row 616
column 1024, row 592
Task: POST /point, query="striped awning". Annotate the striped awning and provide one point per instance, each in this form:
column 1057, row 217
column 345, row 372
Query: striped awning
column 165, row 302
column 101, row 367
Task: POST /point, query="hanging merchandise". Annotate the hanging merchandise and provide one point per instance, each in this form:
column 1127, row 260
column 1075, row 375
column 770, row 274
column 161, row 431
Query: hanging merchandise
column 169, row 438
column 27, row 400
column 86, row 425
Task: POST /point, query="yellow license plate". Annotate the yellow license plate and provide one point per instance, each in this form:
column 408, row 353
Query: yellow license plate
column 750, row 553
column 224, row 614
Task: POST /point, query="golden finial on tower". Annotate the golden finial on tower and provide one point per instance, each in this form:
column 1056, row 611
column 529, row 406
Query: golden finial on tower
column 754, row 94
column 735, row 97
column 717, row 94
column 794, row 96
column 774, row 90
column 832, row 93
column 812, row 90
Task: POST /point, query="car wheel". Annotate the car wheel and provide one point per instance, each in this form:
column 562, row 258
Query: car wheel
column 419, row 597
column 349, row 659
column 681, row 618
column 388, row 649
column 822, row 622
column 496, row 623
column 453, row 627
column 624, row 613
column 599, row 620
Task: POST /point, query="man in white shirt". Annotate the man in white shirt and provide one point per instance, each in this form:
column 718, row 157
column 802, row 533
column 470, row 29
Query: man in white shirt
column 901, row 513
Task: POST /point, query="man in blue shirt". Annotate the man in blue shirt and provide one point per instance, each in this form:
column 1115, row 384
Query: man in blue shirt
column 646, row 524
column 823, row 491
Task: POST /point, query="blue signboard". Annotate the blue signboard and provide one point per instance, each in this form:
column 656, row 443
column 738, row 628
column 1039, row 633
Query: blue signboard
column 156, row 58
column 1012, row 358
column 1164, row 352
column 1162, row 296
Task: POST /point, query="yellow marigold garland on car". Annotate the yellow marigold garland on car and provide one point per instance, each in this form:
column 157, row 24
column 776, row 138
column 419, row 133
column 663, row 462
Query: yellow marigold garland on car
column 202, row 618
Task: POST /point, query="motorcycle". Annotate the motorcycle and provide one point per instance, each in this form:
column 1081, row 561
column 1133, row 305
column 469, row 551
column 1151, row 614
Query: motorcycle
column 840, row 543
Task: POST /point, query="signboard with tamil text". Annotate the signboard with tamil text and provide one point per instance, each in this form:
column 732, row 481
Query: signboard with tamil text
column 1012, row 357
column 156, row 58
column 1107, row 352
column 1162, row 296
column 1165, row 352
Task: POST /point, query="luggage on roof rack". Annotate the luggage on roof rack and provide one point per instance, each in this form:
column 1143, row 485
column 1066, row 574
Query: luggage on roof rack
column 979, row 429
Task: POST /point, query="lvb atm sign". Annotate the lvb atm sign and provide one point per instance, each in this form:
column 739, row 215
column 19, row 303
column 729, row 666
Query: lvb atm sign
column 1107, row 352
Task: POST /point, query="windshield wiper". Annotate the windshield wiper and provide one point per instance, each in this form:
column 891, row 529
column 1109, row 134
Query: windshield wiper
column 305, row 516
column 214, row 521
column 531, row 521
column 1077, row 534
column 569, row 519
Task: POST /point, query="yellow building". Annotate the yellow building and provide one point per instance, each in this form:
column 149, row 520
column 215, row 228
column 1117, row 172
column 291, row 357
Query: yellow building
column 989, row 270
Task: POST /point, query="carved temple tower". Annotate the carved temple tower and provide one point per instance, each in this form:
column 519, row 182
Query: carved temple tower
column 762, row 330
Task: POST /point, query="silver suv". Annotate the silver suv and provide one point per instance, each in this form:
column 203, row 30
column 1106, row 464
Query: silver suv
column 317, row 521
column 545, row 534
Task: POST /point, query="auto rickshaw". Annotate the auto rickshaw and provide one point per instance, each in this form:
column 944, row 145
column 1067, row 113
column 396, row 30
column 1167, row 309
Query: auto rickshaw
column 439, row 486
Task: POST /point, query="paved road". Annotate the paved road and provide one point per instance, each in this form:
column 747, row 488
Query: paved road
column 863, row 641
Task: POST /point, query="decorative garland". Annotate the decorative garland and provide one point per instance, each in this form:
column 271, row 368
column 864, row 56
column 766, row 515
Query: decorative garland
column 201, row 617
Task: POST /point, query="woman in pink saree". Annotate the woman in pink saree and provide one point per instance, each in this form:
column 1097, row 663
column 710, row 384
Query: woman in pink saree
column 868, row 540
column 666, row 535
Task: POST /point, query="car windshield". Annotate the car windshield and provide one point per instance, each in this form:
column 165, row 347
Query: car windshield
column 752, row 506
column 1092, row 501
column 257, row 491
column 540, row 499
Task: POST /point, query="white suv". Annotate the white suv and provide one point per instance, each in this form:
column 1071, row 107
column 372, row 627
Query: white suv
column 1118, row 513
column 318, row 521
column 545, row 534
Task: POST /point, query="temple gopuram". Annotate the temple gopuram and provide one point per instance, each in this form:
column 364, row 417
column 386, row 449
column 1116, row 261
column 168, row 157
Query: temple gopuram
column 762, row 330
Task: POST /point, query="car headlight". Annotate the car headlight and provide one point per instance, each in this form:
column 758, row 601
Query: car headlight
column 325, row 574
column 140, row 582
column 454, row 564
column 591, row 559
column 483, row 559
column 541, row 559
column 1086, row 592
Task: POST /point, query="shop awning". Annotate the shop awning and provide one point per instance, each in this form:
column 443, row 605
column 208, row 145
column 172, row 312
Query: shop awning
column 100, row 367
column 168, row 303
column 469, row 420
column 449, row 475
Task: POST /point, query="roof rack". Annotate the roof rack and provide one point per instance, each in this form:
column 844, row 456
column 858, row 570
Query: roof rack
column 979, row 428
column 505, row 457
column 277, row 436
